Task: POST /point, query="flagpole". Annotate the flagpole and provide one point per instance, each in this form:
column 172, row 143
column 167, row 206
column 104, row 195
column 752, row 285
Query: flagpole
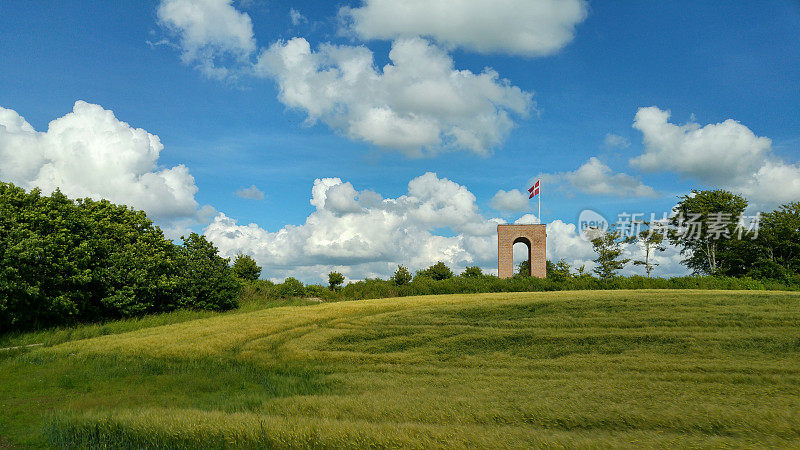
column 540, row 203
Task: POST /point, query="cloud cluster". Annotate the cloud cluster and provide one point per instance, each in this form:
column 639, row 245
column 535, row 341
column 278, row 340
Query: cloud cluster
column 419, row 103
column 250, row 193
column 511, row 201
column 213, row 34
column 518, row 27
column 364, row 234
column 596, row 178
column 716, row 152
column 774, row 183
column 90, row 153
column 726, row 154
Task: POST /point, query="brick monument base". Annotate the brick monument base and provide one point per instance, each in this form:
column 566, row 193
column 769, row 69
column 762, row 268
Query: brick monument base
column 533, row 236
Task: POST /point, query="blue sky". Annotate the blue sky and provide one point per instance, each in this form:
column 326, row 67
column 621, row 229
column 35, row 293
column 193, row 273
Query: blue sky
column 704, row 62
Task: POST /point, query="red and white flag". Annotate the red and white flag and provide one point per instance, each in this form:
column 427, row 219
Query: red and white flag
column 534, row 190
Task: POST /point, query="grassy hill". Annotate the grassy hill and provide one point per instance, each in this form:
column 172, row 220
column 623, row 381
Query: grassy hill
column 589, row 368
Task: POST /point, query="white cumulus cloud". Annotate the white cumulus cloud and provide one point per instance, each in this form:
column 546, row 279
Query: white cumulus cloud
column 364, row 234
column 250, row 193
column 716, row 152
column 212, row 34
column 518, row 27
column 726, row 154
column 419, row 103
column 596, row 178
column 564, row 241
column 90, row 153
column 527, row 219
column 512, row 200
column 773, row 184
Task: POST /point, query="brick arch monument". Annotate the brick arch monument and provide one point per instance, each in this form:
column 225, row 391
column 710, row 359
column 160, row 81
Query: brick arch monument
column 534, row 236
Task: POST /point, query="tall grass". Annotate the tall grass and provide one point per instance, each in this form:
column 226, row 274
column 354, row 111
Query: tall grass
column 189, row 429
column 610, row 368
column 57, row 335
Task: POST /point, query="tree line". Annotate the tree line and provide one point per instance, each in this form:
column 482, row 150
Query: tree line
column 708, row 229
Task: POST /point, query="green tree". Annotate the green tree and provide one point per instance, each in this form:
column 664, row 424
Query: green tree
column 703, row 228
column 335, row 279
column 401, row 276
column 207, row 281
column 549, row 268
column 775, row 252
column 524, row 269
column 559, row 271
column 438, row 272
column 246, row 268
column 609, row 251
column 292, row 287
column 651, row 240
column 472, row 272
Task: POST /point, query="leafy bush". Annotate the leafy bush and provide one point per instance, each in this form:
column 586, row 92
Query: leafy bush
column 424, row 285
column 315, row 290
column 559, row 271
column 524, row 269
column 258, row 290
column 401, row 276
column 65, row 261
column 291, row 287
column 246, row 268
column 472, row 271
column 438, row 271
column 206, row 280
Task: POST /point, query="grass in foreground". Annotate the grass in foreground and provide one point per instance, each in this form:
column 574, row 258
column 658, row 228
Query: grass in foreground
column 590, row 368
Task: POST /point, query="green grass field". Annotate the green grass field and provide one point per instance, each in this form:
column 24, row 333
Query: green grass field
column 575, row 369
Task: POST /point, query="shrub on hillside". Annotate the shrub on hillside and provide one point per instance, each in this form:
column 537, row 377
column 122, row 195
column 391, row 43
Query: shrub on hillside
column 257, row 290
column 246, row 268
column 64, row 261
column 206, row 281
column 438, row 271
column 423, row 285
column 472, row 272
column 291, row 287
column 559, row 271
column 321, row 292
column 401, row 276
column 524, row 269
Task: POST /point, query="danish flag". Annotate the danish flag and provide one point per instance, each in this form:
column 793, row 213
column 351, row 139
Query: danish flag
column 534, row 190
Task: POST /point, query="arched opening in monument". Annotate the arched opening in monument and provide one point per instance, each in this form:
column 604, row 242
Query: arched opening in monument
column 522, row 253
column 531, row 240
